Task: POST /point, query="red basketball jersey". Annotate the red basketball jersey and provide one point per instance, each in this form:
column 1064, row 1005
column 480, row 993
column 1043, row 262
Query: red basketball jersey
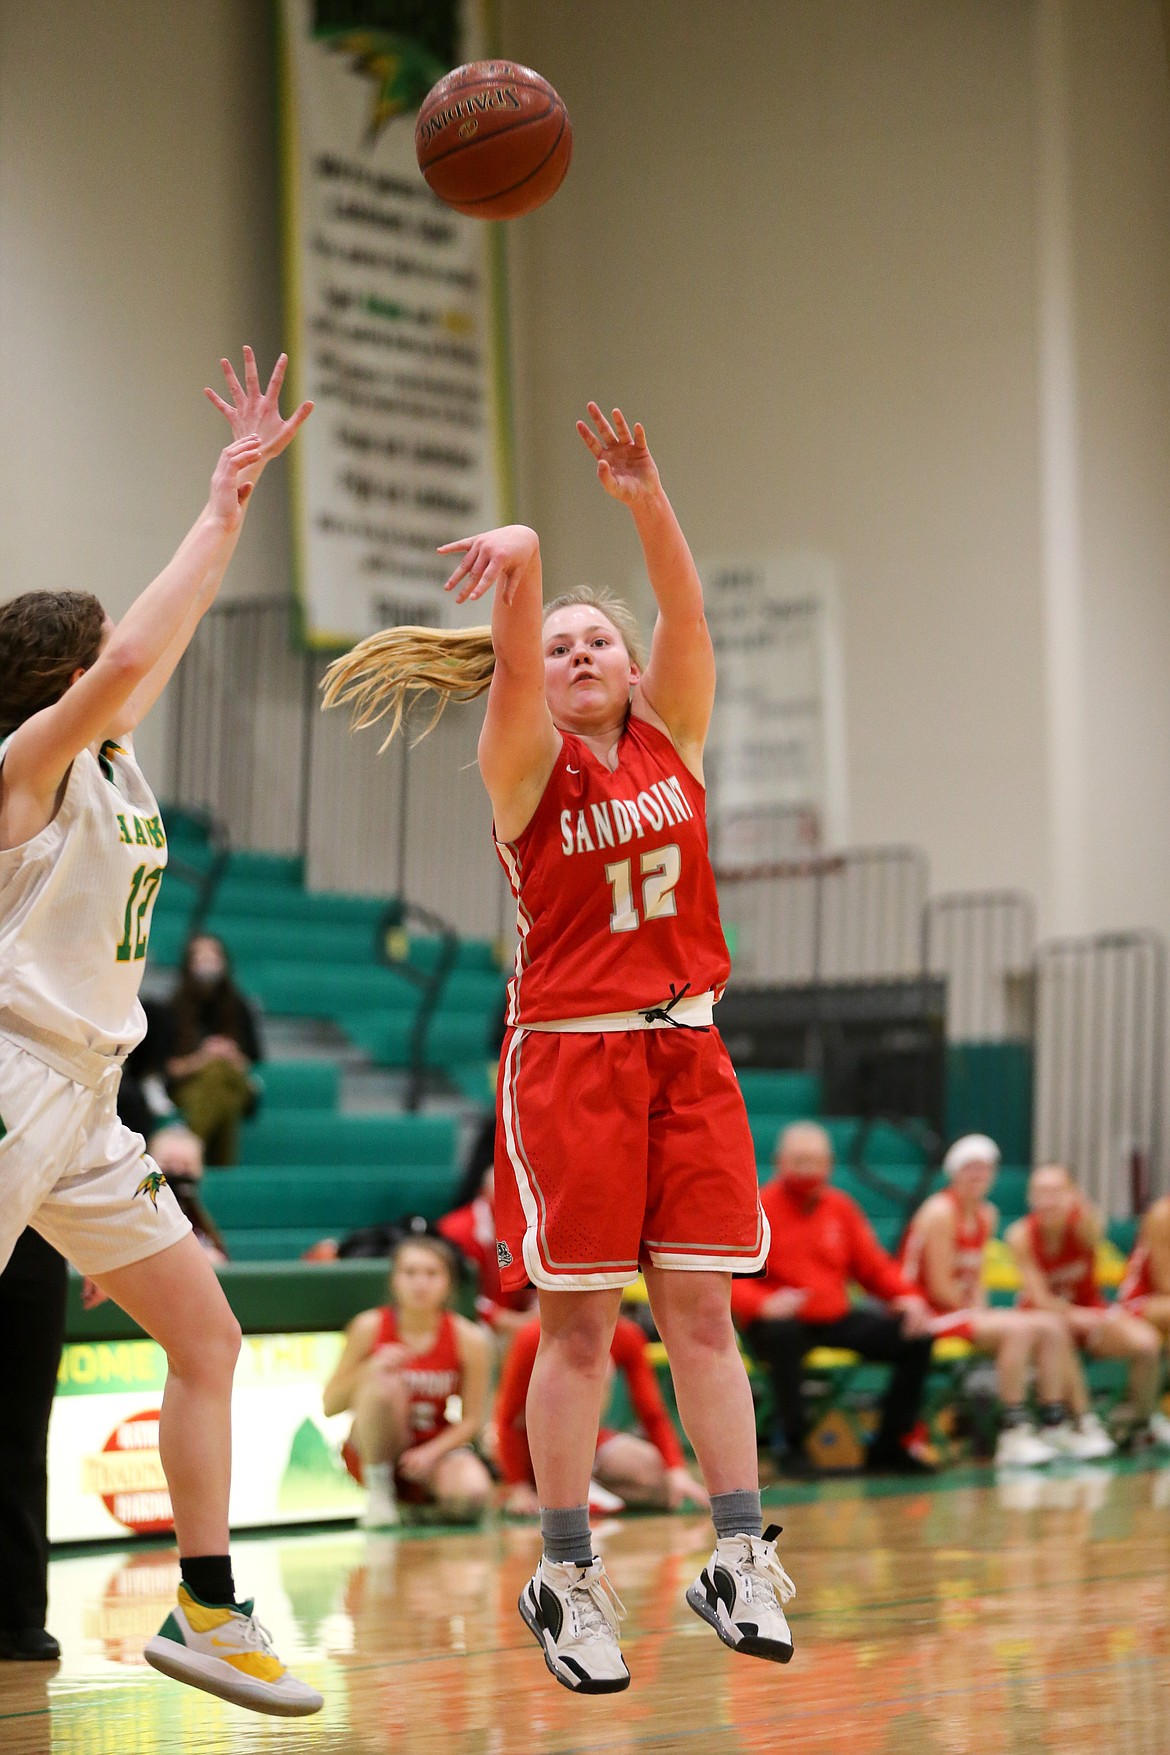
column 430, row 1377
column 615, row 896
column 1139, row 1281
column 1069, row 1264
column 971, row 1239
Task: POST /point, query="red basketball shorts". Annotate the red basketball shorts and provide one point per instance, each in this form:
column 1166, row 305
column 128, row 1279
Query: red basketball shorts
column 621, row 1147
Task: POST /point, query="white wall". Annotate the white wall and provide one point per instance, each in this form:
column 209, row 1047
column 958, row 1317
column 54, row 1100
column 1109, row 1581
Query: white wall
column 1121, row 219
column 804, row 243
column 138, row 243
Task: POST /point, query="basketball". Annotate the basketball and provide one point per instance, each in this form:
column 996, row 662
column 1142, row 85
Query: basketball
column 493, row 140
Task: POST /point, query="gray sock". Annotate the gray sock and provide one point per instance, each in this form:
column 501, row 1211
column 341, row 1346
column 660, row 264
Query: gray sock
column 737, row 1514
column 566, row 1534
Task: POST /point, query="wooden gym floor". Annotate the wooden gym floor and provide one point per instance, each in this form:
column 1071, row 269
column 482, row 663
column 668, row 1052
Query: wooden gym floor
column 993, row 1615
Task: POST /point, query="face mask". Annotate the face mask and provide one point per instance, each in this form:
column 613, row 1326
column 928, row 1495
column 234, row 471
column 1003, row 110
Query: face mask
column 207, row 977
column 183, row 1187
column 802, row 1186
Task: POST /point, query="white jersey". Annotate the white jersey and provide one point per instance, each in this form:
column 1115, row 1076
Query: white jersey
column 75, row 908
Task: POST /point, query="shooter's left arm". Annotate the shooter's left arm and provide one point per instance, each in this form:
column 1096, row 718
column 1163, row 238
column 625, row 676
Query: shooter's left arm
column 678, row 684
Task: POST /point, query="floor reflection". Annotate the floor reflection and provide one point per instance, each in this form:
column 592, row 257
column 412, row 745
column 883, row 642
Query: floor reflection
column 1023, row 1613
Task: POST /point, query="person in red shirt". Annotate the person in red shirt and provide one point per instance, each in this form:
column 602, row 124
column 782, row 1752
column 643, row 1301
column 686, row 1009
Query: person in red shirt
column 645, row 1470
column 821, row 1240
column 472, row 1229
column 415, row 1377
column 1055, row 1247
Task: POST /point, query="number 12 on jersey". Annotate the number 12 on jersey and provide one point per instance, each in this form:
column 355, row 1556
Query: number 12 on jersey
column 661, row 868
column 136, row 927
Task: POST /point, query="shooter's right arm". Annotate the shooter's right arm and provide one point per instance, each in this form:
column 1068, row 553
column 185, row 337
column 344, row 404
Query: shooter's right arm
column 519, row 744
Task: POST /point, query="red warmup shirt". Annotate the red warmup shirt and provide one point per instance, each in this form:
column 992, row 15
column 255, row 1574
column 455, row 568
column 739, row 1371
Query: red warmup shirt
column 628, row 1352
column 472, row 1229
column 1069, row 1264
column 818, row 1247
column 615, row 896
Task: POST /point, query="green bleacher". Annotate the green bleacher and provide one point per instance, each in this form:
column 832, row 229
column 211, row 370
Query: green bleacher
column 307, row 1170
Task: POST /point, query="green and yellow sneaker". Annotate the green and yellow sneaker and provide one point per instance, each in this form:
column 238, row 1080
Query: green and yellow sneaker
column 228, row 1653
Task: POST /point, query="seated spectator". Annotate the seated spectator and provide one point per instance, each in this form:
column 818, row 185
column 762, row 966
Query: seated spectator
column 1055, row 1248
column 638, row 1470
column 415, row 1377
column 821, row 1240
column 207, row 1043
column 472, row 1230
column 179, row 1155
column 943, row 1256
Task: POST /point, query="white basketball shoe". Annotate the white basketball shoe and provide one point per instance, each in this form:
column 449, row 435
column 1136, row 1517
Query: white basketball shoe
column 741, row 1592
column 226, row 1652
column 381, row 1512
column 1158, row 1427
column 1085, row 1439
column 572, row 1612
column 1021, row 1447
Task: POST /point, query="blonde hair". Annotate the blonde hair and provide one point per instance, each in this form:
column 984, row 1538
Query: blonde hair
column 389, row 672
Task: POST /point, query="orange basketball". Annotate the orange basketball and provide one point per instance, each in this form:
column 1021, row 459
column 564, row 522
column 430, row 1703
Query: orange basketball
column 493, row 139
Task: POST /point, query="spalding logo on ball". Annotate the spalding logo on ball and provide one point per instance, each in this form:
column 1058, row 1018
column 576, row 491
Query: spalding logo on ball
column 493, row 140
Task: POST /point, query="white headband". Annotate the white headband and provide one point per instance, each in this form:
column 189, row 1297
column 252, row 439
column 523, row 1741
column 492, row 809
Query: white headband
column 973, row 1148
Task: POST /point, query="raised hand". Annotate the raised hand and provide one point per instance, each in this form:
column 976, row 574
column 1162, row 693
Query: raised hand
column 625, row 467
column 252, row 410
column 235, row 474
column 496, row 557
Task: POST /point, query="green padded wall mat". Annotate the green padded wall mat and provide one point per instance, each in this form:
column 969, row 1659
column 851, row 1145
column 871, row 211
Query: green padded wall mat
column 989, row 1090
column 268, row 1298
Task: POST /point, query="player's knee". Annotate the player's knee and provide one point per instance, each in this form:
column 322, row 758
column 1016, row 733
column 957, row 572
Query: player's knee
column 703, row 1325
column 581, row 1346
column 647, row 1469
column 207, row 1352
column 384, row 1390
column 1048, row 1329
column 1144, row 1343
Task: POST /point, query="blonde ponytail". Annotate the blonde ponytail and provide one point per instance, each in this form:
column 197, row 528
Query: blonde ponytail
column 387, row 672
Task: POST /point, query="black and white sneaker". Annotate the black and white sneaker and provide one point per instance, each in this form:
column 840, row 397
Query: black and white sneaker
column 573, row 1613
column 741, row 1592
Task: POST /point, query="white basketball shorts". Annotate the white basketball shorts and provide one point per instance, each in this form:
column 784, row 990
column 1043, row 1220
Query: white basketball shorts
column 71, row 1170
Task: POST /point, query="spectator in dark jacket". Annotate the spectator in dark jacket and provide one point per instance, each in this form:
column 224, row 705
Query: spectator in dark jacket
column 207, row 1043
column 822, row 1242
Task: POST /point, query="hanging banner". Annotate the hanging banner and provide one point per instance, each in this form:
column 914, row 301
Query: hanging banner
column 775, row 756
column 395, row 319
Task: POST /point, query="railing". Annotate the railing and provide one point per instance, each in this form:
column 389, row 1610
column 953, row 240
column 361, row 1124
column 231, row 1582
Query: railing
column 250, row 746
column 1101, row 1061
column 854, row 916
column 392, row 948
column 983, row 944
column 242, row 704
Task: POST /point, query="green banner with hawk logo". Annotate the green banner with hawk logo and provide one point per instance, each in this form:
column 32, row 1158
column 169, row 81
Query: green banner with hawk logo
column 395, row 318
